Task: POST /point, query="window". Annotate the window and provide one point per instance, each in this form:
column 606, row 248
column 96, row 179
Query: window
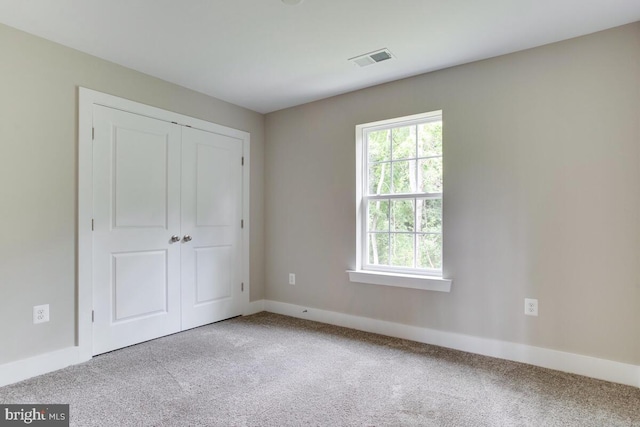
column 400, row 187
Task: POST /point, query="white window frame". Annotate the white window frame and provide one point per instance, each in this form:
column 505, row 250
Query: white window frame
column 387, row 275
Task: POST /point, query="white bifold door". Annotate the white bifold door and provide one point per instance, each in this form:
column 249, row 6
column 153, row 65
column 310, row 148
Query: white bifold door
column 167, row 208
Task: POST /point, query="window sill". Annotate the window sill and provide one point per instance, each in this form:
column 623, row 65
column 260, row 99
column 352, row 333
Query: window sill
column 412, row 281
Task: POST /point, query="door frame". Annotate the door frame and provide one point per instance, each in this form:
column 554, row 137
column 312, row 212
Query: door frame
column 84, row 296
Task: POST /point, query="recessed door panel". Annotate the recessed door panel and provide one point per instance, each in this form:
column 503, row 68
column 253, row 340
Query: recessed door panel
column 139, row 284
column 214, row 198
column 213, row 276
column 140, row 174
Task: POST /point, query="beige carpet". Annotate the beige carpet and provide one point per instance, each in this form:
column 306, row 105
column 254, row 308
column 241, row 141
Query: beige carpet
column 271, row 370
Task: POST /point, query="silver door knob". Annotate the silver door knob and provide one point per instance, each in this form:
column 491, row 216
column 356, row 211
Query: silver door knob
column 187, row 238
column 175, row 238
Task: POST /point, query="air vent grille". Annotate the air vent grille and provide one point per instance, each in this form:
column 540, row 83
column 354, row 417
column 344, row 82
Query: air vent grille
column 371, row 57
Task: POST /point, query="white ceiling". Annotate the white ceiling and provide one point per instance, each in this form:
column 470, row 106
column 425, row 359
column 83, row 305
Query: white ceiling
column 265, row 55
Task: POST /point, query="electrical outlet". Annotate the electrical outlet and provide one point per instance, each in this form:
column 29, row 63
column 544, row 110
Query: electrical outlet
column 530, row 307
column 40, row 313
column 292, row 279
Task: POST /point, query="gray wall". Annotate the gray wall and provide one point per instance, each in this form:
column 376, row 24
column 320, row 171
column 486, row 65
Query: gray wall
column 38, row 178
column 542, row 200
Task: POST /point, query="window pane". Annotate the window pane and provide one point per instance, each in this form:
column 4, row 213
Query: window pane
column 380, row 178
column 430, row 139
column 429, row 212
column 378, row 248
column 430, row 175
column 402, row 215
column 378, row 215
column 379, row 146
column 404, row 177
column 429, row 251
column 404, row 142
column 403, row 165
column 402, row 250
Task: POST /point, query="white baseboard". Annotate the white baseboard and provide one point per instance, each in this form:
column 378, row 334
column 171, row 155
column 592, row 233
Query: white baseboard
column 254, row 307
column 603, row 369
column 593, row 367
column 20, row 370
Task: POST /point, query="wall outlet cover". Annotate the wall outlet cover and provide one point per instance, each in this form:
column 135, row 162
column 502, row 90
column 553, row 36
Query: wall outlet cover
column 40, row 314
column 530, row 307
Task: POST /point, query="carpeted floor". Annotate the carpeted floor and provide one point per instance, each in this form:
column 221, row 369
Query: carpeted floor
column 272, row 370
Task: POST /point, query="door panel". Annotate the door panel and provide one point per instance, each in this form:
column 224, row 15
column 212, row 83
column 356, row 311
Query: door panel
column 212, row 266
column 136, row 270
column 214, row 196
column 130, row 300
column 211, row 213
column 140, row 199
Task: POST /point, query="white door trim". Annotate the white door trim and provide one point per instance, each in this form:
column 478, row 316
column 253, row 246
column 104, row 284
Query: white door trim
column 87, row 99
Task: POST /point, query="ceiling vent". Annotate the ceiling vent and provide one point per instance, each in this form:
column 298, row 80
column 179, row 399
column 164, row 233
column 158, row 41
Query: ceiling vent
column 372, row 57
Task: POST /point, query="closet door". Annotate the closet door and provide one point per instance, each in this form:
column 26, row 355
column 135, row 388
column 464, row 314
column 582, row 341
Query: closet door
column 136, row 208
column 211, row 213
